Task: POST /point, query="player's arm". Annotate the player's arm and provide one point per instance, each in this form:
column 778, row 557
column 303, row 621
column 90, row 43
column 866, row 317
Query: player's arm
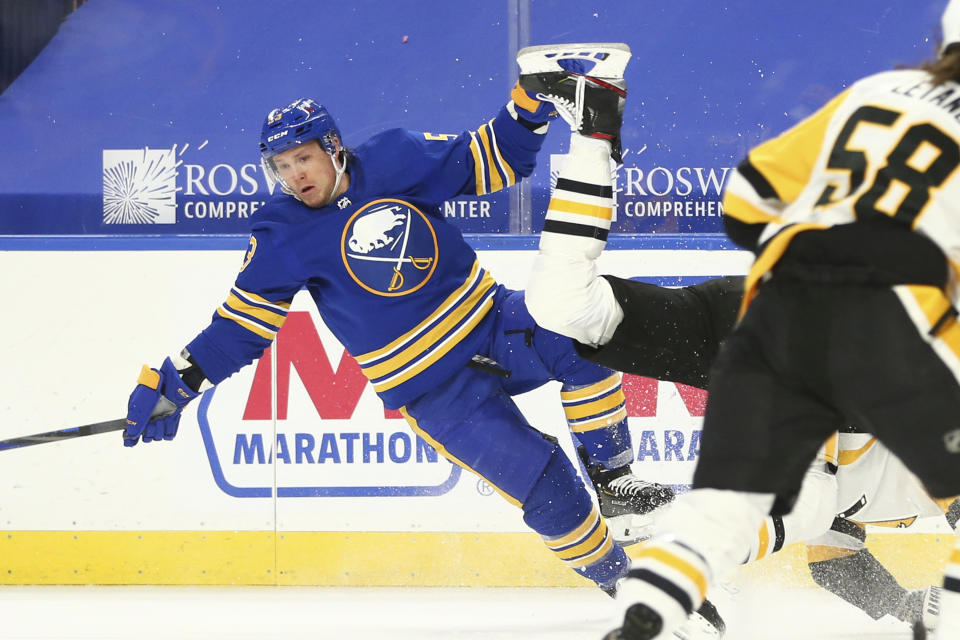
column 772, row 176
column 492, row 157
column 243, row 326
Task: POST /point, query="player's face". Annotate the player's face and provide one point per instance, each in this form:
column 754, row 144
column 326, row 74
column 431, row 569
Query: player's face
column 308, row 171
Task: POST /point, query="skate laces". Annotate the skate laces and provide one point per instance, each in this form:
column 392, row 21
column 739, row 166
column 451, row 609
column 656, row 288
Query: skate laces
column 570, row 110
column 629, row 485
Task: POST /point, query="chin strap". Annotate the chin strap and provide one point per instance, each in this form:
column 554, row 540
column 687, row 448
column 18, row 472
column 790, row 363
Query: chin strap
column 340, row 168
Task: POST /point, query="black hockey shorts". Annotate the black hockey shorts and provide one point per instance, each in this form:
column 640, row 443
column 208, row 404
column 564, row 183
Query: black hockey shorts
column 808, row 359
column 668, row 333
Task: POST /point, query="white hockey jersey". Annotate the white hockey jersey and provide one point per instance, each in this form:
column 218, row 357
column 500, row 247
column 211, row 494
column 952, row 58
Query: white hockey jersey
column 887, row 146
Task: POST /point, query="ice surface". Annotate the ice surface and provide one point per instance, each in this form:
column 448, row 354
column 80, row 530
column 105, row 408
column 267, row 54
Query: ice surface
column 291, row 613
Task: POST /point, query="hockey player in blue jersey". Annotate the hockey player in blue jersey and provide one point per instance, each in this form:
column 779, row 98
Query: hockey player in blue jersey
column 362, row 231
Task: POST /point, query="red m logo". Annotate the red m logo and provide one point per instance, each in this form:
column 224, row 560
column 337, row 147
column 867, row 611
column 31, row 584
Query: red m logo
column 334, row 394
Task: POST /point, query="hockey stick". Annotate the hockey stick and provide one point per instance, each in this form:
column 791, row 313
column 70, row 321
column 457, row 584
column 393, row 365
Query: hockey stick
column 64, row 434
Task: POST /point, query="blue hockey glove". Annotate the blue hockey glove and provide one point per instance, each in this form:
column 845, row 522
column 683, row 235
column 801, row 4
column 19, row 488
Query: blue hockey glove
column 526, row 106
column 153, row 411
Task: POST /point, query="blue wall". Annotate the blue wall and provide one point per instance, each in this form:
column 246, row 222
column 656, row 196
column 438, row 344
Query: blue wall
column 176, row 92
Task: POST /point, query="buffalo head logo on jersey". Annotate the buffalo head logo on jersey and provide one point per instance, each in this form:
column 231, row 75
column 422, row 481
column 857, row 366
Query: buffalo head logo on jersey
column 389, row 247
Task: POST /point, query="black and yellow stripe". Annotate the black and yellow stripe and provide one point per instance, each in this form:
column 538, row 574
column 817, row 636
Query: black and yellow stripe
column 414, row 351
column 491, row 172
column 770, row 538
column 675, row 570
column 929, row 307
column 773, row 175
column 580, row 209
column 951, row 578
column 254, row 313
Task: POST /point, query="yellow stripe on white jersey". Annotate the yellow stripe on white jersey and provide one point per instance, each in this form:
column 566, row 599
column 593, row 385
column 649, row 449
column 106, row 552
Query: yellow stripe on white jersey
column 788, row 161
column 849, row 456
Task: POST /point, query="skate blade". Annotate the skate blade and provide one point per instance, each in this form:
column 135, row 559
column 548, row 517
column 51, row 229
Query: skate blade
column 698, row 628
column 609, row 58
column 630, row 528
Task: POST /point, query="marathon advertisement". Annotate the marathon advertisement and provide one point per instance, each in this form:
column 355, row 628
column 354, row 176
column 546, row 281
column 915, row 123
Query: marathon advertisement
column 333, row 437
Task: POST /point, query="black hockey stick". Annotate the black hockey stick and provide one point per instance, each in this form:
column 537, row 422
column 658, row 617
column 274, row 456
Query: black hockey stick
column 64, row 434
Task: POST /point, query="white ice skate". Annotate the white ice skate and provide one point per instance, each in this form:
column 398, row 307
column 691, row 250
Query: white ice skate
column 584, row 81
column 604, row 60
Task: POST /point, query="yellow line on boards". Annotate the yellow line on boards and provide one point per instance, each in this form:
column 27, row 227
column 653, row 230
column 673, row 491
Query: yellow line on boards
column 326, row 558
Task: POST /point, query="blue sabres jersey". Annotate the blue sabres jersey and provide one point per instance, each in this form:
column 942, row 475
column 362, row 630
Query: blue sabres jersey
column 392, row 279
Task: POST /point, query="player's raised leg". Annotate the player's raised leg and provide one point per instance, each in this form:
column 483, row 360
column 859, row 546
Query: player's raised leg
column 565, row 293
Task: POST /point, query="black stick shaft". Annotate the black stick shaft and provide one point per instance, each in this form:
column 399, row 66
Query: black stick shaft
column 64, row 434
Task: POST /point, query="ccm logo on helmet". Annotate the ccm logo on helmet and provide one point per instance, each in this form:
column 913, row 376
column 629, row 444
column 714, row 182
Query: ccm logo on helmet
column 277, row 135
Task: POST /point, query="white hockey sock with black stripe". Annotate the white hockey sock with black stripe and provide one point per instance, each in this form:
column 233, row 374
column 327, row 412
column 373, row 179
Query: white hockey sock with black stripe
column 565, row 293
column 581, row 208
column 670, row 578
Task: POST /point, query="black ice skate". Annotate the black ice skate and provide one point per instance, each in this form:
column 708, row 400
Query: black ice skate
column 703, row 624
column 640, row 622
column 626, row 502
column 920, row 608
column 584, row 82
column 643, row 623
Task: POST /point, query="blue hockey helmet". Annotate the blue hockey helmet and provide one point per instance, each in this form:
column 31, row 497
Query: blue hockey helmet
column 301, row 121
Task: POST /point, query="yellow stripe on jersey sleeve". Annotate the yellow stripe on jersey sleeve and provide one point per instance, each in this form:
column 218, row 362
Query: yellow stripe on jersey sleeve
column 246, row 324
column 255, row 298
column 236, row 304
column 787, row 161
column 496, row 183
column 508, row 173
column 738, row 208
column 477, row 165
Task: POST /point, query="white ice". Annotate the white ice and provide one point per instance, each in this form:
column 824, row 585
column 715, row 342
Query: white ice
column 292, row 613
